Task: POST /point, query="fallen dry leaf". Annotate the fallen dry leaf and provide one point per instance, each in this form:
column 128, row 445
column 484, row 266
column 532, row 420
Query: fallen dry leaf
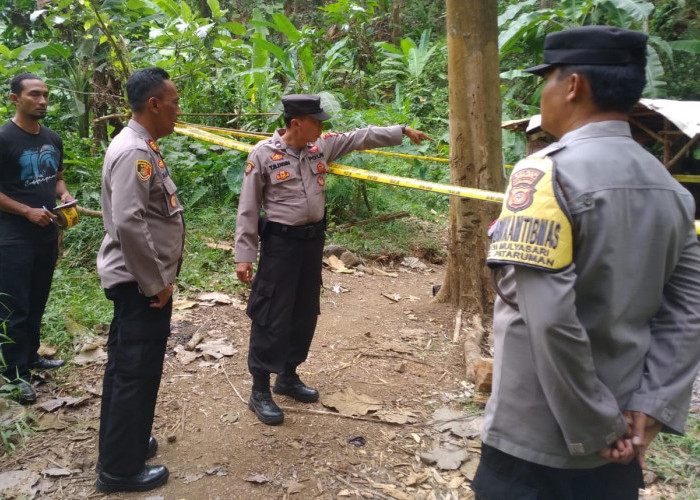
column 56, row 472
column 18, row 483
column 230, row 418
column 415, row 478
column 216, row 298
column 381, row 272
column 392, row 297
column 98, row 355
column 220, row 246
column 47, row 350
column 180, row 305
column 218, row 470
column 413, row 263
column 184, row 356
column 397, row 417
column 446, row 458
column 216, row 349
column 191, row 477
column 56, row 403
column 459, row 423
column 349, row 402
column 337, row 265
column 257, row 479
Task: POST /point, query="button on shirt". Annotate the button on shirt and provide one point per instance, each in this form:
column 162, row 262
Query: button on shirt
column 142, row 215
column 617, row 330
column 290, row 183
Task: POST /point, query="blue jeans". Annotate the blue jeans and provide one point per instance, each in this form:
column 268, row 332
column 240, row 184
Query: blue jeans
column 26, row 271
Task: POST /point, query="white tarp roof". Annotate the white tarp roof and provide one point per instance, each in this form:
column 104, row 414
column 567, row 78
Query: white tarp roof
column 683, row 114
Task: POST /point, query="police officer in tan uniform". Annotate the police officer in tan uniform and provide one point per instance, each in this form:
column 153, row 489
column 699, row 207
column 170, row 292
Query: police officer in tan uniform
column 597, row 326
column 286, row 177
column 138, row 262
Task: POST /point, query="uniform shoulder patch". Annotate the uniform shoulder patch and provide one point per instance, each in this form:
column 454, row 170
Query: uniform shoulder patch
column 326, row 135
column 249, row 166
column 143, row 170
column 534, row 228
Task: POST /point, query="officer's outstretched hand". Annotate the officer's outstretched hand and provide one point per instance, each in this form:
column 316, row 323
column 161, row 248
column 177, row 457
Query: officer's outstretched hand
column 416, row 136
column 244, row 271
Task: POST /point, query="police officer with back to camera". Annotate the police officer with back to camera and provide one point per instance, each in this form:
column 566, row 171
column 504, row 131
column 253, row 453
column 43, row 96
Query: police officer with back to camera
column 286, row 176
column 138, row 262
column 597, row 323
column 31, row 179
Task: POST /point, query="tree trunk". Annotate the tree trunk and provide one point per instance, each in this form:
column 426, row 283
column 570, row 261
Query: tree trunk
column 106, row 87
column 396, row 20
column 476, row 157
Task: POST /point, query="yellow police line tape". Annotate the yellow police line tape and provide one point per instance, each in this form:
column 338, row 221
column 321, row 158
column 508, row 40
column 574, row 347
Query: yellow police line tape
column 237, row 133
column 688, row 179
column 356, row 173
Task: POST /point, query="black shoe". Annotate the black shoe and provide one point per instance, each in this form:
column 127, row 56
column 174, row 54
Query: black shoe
column 150, row 477
column 265, row 408
column 41, row 363
column 24, row 393
column 293, row 387
column 152, row 450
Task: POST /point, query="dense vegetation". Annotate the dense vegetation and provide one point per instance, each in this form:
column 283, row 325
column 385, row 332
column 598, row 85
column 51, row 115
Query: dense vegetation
column 373, row 61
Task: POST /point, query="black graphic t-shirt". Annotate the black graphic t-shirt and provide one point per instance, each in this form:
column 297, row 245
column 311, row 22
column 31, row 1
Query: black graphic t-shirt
column 29, row 165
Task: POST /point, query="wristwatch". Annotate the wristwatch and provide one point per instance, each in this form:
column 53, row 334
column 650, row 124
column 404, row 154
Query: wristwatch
column 403, row 129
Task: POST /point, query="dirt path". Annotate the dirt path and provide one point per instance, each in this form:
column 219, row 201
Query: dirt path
column 399, row 352
column 379, row 335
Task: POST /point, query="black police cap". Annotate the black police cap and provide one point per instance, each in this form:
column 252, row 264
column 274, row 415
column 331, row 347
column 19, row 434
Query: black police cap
column 593, row 45
column 303, row 105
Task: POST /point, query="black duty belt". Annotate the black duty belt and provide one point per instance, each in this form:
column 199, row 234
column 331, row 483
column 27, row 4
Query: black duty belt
column 306, row 232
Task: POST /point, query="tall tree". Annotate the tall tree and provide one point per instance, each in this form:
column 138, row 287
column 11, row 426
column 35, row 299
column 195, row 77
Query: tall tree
column 475, row 139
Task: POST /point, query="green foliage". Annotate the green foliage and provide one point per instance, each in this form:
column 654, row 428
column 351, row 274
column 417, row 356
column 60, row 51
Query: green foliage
column 408, row 60
column 394, row 239
column 16, row 429
column 523, row 26
column 205, row 174
column 676, row 459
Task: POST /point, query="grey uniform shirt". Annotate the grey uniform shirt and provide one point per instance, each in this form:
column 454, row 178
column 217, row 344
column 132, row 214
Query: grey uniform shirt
column 619, row 329
column 290, row 183
column 142, row 215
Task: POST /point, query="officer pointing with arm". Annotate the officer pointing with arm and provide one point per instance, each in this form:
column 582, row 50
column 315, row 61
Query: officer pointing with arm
column 597, row 323
column 286, row 177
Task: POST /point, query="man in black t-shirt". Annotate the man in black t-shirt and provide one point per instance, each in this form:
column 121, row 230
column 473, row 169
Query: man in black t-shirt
column 31, row 180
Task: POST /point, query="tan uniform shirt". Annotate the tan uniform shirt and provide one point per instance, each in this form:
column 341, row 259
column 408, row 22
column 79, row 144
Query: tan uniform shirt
column 142, row 215
column 617, row 330
column 290, row 183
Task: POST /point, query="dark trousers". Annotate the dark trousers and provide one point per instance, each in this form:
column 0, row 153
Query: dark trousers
column 501, row 476
column 284, row 303
column 26, row 271
column 135, row 351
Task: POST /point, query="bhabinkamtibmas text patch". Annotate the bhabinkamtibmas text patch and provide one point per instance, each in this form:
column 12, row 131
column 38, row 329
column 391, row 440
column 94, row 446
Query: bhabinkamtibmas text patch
column 534, row 228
